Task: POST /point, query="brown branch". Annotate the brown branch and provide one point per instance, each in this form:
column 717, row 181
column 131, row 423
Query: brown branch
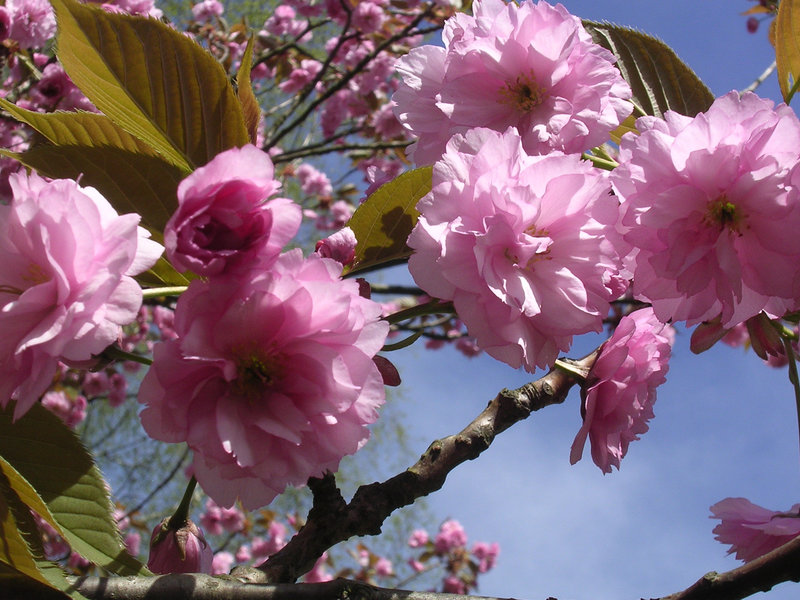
column 336, row 521
column 759, row 575
column 206, row 587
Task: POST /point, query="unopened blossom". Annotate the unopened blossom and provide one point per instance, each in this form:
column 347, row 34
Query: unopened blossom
column 182, row 550
column 524, row 246
column 340, row 246
column 224, row 217
column 620, row 390
column 751, row 530
column 33, row 23
column 712, row 208
column 531, row 66
column 271, row 379
column 67, row 262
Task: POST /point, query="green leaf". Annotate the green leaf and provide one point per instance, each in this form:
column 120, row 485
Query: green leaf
column 660, row 81
column 250, row 108
column 21, row 548
column 385, row 219
column 787, row 47
column 78, row 129
column 152, row 81
column 131, row 182
column 50, row 457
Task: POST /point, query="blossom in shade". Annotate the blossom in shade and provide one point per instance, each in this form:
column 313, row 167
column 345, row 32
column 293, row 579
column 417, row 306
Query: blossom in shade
column 66, row 285
column 271, row 379
column 751, row 530
column 531, row 66
column 525, row 246
column 182, row 550
column 620, row 390
column 224, row 217
column 712, row 209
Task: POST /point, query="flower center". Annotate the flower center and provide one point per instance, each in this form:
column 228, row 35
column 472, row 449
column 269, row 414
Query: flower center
column 33, row 275
column 255, row 372
column 522, row 92
column 724, row 214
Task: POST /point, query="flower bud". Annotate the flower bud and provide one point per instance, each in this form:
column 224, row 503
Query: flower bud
column 182, row 550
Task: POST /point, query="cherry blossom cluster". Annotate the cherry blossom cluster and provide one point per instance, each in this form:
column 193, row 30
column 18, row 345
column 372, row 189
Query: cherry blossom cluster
column 270, row 379
column 532, row 244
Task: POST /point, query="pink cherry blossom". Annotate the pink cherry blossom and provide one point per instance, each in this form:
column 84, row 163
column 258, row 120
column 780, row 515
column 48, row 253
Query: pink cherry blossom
column 70, row 410
column 487, row 555
column 524, row 246
column 269, row 405
column 713, row 209
column 418, row 538
column 224, row 217
column 66, row 285
column 182, row 550
column 620, row 390
column 451, row 535
column 531, row 66
column 221, row 563
column 751, row 530
column 33, row 23
column 207, row 10
column 340, row 246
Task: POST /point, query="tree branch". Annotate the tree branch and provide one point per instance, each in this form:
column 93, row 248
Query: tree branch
column 759, row 575
column 205, row 587
column 334, row 522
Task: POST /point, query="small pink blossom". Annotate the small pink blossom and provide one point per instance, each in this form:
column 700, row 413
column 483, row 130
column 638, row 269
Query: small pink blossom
column 416, row 565
column 301, row 76
column 751, row 530
column 319, row 573
column 221, row 563
column 182, row 550
column 383, row 567
column 487, row 555
column 524, row 246
column 418, row 538
column 451, row 535
column 66, row 285
column 620, row 390
column 133, row 542
column 312, row 181
column 207, row 10
column 712, row 208
column 70, row 410
column 269, row 406
column 531, row 66
column 452, row 584
column 224, row 218
column 340, row 246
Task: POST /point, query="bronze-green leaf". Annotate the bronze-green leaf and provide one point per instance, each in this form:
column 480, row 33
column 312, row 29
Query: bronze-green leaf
column 50, row 457
column 244, row 91
column 660, row 81
column 78, row 128
column 787, row 47
column 130, row 181
column 385, row 219
column 152, row 81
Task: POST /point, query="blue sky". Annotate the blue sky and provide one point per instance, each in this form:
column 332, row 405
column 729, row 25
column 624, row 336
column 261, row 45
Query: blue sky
column 725, row 424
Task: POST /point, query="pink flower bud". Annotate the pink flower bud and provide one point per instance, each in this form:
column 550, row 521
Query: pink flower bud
column 183, row 550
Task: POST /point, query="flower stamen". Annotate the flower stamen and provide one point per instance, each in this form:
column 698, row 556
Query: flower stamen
column 522, row 92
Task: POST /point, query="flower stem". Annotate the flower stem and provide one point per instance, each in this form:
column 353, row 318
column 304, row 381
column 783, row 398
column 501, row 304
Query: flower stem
column 787, row 344
column 181, row 515
column 163, row 291
column 117, row 353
